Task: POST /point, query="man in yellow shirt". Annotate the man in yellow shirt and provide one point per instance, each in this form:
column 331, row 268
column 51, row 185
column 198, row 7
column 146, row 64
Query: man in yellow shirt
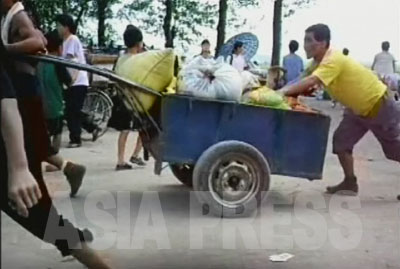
column 368, row 104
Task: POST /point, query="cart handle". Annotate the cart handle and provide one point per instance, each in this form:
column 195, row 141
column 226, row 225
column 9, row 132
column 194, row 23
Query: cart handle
column 91, row 69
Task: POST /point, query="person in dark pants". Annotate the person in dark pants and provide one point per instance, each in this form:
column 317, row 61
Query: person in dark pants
column 76, row 94
column 24, row 140
column 24, row 196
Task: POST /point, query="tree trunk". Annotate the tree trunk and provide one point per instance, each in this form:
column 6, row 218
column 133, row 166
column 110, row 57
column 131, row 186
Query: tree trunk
column 82, row 11
column 168, row 31
column 65, row 7
column 101, row 17
column 277, row 33
column 223, row 10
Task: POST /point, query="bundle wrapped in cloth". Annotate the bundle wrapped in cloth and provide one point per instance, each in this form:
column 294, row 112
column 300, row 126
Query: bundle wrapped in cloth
column 210, row 79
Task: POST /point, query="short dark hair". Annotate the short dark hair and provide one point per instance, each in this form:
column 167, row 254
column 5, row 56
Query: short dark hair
column 132, row 36
column 238, row 44
column 346, row 51
column 205, row 42
column 385, row 45
column 54, row 41
column 67, row 21
column 321, row 33
column 293, row 46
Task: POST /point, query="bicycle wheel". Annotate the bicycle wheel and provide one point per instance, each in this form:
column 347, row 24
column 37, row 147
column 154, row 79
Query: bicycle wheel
column 97, row 110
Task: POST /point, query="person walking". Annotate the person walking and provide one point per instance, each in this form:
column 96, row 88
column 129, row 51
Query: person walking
column 76, row 94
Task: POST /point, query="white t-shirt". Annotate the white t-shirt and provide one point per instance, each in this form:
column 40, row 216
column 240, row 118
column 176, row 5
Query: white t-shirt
column 384, row 63
column 73, row 47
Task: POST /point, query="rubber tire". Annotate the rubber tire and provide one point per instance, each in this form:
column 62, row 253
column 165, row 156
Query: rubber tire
column 183, row 174
column 202, row 171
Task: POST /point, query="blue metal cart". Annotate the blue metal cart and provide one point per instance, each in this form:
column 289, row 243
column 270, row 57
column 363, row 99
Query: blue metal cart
column 226, row 151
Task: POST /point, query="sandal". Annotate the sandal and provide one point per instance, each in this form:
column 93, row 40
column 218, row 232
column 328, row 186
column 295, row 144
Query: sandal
column 125, row 166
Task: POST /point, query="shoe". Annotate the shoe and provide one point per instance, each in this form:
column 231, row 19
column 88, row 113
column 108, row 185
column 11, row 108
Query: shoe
column 95, row 134
column 125, row 166
column 138, row 161
column 73, row 145
column 398, row 197
column 87, row 236
column 74, row 174
column 347, row 187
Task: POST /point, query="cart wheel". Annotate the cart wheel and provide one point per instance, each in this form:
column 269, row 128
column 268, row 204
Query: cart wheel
column 183, row 172
column 231, row 178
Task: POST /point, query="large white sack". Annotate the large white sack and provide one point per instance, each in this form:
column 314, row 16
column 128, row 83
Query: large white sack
column 211, row 80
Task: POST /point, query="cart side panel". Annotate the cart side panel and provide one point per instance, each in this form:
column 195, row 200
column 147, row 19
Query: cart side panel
column 293, row 143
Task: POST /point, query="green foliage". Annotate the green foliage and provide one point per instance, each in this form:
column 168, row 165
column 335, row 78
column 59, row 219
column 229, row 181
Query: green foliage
column 290, row 6
column 187, row 18
column 44, row 12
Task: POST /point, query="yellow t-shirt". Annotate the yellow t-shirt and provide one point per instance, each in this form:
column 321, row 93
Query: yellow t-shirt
column 350, row 83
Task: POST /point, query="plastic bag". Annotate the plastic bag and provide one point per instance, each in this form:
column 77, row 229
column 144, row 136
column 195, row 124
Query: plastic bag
column 211, row 79
column 249, row 80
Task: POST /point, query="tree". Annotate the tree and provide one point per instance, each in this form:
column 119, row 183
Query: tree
column 44, row 12
column 283, row 9
column 277, row 33
column 169, row 30
column 102, row 11
column 223, row 12
column 226, row 14
column 173, row 19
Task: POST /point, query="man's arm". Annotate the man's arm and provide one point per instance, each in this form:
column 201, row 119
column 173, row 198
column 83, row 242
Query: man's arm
column 63, row 76
column 306, row 86
column 394, row 66
column 33, row 40
column 23, row 188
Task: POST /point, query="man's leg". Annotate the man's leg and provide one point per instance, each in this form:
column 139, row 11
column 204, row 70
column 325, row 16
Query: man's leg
column 347, row 135
column 56, row 134
column 386, row 128
column 122, row 139
column 69, row 114
column 347, row 162
column 135, row 156
column 72, row 171
column 74, row 102
column 80, row 100
column 72, row 241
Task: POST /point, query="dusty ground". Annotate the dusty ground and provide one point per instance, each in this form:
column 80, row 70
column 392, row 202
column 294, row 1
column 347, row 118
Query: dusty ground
column 362, row 233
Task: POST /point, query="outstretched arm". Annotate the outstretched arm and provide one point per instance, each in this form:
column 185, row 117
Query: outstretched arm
column 306, row 86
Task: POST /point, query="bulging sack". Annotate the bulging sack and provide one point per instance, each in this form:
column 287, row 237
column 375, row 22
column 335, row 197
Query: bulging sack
column 210, row 79
column 152, row 69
